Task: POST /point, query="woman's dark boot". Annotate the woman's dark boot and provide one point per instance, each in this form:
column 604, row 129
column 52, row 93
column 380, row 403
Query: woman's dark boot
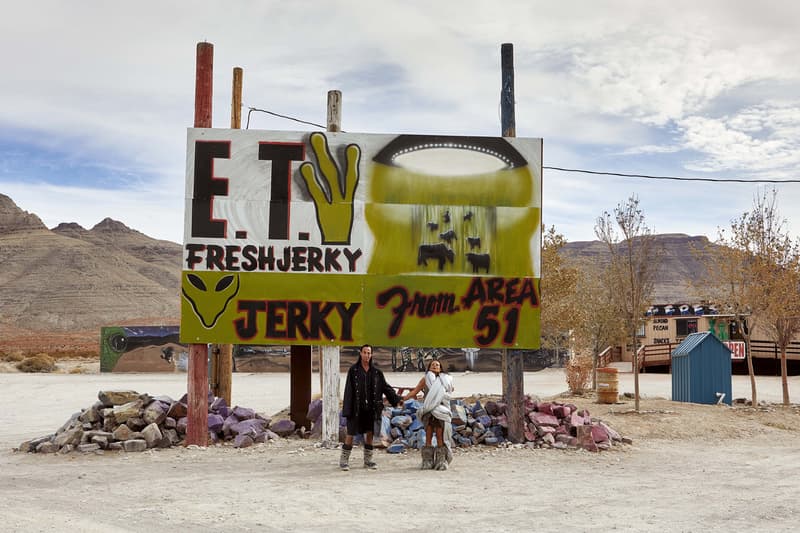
column 440, row 458
column 427, row 457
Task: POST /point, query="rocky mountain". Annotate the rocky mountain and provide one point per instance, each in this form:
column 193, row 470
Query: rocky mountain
column 682, row 259
column 70, row 278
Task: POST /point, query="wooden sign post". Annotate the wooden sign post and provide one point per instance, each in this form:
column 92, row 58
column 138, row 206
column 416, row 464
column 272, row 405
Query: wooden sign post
column 197, row 375
column 330, row 355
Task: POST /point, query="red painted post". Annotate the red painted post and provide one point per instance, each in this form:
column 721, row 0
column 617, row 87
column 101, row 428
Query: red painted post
column 203, row 85
column 197, row 375
column 197, row 415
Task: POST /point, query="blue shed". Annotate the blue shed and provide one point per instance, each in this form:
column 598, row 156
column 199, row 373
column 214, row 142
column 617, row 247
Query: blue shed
column 701, row 368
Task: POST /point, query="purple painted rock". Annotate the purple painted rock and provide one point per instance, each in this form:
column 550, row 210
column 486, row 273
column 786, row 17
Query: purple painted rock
column 284, row 427
column 491, row 408
column 181, row 425
column 243, row 441
column 243, row 413
column 314, row 409
column 215, row 423
column 217, row 404
column 250, row 427
column 229, row 422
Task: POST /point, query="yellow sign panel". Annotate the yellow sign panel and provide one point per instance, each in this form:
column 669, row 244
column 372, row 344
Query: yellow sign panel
column 312, row 238
column 340, row 309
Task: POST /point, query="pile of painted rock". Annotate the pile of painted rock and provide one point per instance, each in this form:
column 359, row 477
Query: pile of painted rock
column 133, row 422
column 547, row 425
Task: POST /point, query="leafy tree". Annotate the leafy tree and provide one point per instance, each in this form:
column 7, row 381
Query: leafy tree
column 632, row 268
column 755, row 276
column 558, row 287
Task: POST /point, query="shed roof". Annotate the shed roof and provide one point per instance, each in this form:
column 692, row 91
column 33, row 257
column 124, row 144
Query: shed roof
column 694, row 340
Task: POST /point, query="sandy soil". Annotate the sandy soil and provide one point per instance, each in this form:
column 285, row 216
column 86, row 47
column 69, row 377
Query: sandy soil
column 690, row 468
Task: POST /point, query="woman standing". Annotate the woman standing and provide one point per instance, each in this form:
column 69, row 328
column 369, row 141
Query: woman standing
column 436, row 416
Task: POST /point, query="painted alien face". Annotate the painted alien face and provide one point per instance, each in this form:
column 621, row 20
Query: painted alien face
column 209, row 294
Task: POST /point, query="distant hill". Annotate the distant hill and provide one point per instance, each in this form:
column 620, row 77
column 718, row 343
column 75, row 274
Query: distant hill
column 71, row 278
column 682, row 260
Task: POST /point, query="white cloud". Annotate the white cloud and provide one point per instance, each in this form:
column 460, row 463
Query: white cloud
column 610, row 85
column 762, row 138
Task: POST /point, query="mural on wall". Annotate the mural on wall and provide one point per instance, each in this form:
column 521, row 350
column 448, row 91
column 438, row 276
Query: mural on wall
column 141, row 349
column 334, row 238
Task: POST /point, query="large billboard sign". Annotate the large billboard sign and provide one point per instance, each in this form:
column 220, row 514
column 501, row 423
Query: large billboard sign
column 340, row 238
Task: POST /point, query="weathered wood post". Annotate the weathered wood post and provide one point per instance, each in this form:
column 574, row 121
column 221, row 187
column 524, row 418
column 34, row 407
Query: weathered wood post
column 330, row 355
column 197, row 375
column 222, row 375
column 513, row 371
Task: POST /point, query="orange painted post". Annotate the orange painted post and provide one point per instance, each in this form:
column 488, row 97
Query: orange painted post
column 222, row 377
column 197, row 375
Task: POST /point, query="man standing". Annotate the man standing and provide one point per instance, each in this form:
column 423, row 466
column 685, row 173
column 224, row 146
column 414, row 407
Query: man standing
column 363, row 402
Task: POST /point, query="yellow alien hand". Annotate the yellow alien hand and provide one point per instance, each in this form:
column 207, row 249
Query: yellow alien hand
column 332, row 195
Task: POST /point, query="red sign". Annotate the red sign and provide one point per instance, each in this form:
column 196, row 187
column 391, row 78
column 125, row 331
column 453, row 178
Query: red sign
column 737, row 349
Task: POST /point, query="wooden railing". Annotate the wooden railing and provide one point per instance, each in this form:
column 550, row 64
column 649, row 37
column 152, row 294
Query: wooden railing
column 661, row 354
column 609, row 355
column 769, row 350
column 656, row 355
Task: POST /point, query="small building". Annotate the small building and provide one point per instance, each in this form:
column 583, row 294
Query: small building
column 701, row 370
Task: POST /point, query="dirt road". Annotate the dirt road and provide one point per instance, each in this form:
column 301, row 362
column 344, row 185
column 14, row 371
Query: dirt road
column 690, row 468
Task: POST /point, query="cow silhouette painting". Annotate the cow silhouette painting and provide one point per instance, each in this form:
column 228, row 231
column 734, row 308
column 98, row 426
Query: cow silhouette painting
column 438, row 251
column 478, row 261
column 474, row 242
column 433, row 226
column 448, row 236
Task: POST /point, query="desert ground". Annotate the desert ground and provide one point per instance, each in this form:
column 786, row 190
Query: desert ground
column 690, row 468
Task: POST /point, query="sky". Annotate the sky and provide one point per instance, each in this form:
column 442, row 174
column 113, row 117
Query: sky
column 97, row 97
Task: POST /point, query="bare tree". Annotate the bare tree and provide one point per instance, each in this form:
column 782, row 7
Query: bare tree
column 632, row 267
column 600, row 322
